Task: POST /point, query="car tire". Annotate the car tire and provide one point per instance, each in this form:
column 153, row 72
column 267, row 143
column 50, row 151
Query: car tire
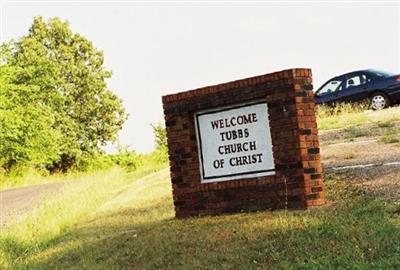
column 379, row 101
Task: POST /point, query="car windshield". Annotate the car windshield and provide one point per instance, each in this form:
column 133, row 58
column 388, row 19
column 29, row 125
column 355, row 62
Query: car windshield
column 330, row 87
column 383, row 74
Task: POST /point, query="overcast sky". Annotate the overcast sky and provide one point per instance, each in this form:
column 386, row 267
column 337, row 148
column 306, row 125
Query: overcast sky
column 159, row 48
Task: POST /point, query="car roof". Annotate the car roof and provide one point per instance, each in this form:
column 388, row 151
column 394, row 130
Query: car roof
column 369, row 70
column 356, row 71
column 353, row 72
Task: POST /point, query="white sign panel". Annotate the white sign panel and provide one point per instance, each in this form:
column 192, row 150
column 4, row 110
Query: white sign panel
column 234, row 143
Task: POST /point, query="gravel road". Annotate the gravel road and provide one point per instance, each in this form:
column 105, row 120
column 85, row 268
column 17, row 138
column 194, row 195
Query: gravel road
column 17, row 201
column 381, row 175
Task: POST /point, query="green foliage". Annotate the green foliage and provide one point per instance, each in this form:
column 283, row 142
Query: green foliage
column 26, row 132
column 161, row 151
column 160, row 134
column 64, row 108
column 124, row 158
column 129, row 160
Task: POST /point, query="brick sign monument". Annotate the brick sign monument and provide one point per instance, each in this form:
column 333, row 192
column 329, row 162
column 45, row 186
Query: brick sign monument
column 245, row 145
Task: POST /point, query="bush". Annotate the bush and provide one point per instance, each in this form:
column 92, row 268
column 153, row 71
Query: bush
column 126, row 159
column 129, row 160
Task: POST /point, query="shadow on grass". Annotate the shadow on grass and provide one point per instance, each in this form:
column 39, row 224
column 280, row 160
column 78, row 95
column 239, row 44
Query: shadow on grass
column 356, row 233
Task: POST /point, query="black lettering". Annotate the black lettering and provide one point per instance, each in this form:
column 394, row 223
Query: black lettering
column 231, row 162
column 216, row 164
column 239, row 147
column 254, row 117
column 246, row 132
column 234, row 134
column 233, row 148
column 253, row 145
column 228, row 135
column 227, row 149
column 214, row 124
column 247, row 119
column 245, row 162
column 227, row 123
column 244, row 145
column 232, row 121
column 222, row 136
column 221, row 123
column 240, row 120
column 240, row 133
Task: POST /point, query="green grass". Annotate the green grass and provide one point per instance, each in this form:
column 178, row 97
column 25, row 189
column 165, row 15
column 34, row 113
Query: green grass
column 354, row 132
column 33, row 177
column 349, row 115
column 56, row 217
column 116, row 220
column 130, row 225
column 26, row 175
column 385, row 124
column 390, row 138
column 390, row 135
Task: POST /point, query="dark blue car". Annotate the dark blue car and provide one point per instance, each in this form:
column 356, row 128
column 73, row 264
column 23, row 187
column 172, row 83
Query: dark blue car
column 381, row 88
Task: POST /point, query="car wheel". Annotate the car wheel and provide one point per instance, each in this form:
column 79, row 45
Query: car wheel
column 379, row 101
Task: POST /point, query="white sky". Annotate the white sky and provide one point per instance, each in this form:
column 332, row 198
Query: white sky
column 159, row 48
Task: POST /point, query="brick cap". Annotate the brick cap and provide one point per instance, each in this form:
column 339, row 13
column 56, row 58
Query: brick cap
column 284, row 74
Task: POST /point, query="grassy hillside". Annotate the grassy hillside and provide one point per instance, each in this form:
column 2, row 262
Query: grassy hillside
column 135, row 229
column 118, row 220
column 56, row 217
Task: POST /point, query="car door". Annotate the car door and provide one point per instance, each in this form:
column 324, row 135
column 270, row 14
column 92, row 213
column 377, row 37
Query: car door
column 355, row 87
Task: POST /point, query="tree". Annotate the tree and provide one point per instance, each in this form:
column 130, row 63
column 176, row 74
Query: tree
column 160, row 134
column 70, row 74
column 26, row 132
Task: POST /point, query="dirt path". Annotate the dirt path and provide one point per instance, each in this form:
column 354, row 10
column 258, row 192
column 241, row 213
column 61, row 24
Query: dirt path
column 380, row 175
column 364, row 151
column 17, row 201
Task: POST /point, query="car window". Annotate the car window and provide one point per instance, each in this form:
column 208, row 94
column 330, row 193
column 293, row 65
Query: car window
column 357, row 80
column 330, row 87
column 366, row 78
column 382, row 74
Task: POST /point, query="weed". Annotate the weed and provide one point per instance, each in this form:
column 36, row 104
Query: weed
column 136, row 230
column 385, row 124
column 354, row 132
column 350, row 115
column 389, row 138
